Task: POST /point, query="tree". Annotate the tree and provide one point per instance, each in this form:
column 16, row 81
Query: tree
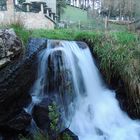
column 119, row 8
column 60, row 5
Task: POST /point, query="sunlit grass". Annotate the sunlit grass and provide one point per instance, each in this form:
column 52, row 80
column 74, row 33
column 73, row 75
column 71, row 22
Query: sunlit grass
column 70, row 13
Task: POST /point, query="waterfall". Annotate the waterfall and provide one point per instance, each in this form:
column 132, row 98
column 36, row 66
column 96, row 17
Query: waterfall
column 68, row 74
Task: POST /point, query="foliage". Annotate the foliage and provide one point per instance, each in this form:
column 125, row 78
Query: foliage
column 53, row 116
column 119, row 8
column 21, row 32
column 117, row 55
column 56, row 34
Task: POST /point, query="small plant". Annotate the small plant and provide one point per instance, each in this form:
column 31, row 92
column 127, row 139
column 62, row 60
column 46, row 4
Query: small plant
column 53, row 116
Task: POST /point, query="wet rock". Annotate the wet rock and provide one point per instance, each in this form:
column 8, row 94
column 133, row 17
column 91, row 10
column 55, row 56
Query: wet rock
column 82, row 45
column 40, row 114
column 15, row 125
column 10, row 46
column 47, row 117
column 34, row 46
column 59, row 77
column 67, row 134
column 56, row 43
column 19, row 122
column 16, row 79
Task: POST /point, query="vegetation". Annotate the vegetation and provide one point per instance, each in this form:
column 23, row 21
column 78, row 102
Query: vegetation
column 54, row 117
column 21, row 32
column 119, row 53
column 119, row 8
column 69, row 14
column 86, row 19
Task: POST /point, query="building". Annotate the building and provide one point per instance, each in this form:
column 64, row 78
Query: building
column 85, row 4
column 79, row 3
column 33, row 14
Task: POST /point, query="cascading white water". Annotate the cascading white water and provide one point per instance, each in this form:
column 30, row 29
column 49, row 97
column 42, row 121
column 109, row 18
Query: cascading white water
column 96, row 114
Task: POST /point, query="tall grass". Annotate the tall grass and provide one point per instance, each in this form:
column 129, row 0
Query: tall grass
column 21, row 32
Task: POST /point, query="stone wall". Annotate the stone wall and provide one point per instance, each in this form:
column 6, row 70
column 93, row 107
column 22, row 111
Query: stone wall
column 29, row 20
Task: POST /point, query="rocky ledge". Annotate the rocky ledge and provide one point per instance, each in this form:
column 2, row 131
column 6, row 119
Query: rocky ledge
column 17, row 74
column 10, row 46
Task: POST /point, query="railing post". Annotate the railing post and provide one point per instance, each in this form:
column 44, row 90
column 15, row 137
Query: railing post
column 42, row 8
column 28, row 8
column 106, row 22
column 10, row 10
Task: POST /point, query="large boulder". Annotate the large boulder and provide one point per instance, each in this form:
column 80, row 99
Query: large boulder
column 47, row 117
column 40, row 114
column 17, row 123
column 10, row 46
column 16, row 79
column 67, row 134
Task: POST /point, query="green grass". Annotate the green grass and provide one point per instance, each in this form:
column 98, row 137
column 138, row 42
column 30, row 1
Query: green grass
column 21, row 32
column 79, row 16
column 117, row 55
column 56, row 34
column 74, row 14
